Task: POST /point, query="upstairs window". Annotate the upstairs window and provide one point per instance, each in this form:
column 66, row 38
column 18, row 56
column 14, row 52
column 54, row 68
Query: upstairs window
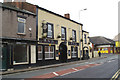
column 85, row 38
column 50, row 30
column 74, row 35
column 21, row 25
column 63, row 33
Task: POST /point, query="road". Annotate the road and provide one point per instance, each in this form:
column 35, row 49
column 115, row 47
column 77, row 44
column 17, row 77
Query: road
column 97, row 69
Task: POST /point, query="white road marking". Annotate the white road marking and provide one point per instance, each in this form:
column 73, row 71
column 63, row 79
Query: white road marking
column 55, row 74
column 109, row 61
column 86, row 62
column 75, row 69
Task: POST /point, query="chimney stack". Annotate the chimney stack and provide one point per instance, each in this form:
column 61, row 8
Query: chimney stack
column 67, row 15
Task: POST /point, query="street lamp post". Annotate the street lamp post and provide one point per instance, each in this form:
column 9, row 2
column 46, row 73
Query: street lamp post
column 79, row 33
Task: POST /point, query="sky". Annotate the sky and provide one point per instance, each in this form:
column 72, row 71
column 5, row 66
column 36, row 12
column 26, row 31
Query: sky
column 100, row 18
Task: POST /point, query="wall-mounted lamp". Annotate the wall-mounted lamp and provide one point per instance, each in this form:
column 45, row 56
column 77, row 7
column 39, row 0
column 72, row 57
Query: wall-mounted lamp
column 59, row 36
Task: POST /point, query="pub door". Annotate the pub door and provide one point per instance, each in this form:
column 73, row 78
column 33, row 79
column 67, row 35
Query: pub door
column 63, row 52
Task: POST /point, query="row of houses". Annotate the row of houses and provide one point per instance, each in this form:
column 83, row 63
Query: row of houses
column 34, row 36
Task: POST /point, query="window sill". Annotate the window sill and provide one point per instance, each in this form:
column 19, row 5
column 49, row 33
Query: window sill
column 20, row 63
column 63, row 39
column 49, row 58
column 21, row 34
column 50, row 38
column 74, row 41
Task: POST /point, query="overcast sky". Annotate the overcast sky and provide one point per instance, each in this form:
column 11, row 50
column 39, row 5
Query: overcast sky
column 100, row 18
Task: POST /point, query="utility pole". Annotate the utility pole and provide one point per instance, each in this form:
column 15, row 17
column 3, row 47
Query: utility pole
column 80, row 32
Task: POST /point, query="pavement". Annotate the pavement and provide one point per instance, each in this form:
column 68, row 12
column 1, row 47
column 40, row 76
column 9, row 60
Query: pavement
column 49, row 66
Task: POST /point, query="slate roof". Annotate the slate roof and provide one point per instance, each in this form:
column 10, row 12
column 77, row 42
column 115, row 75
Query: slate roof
column 99, row 40
column 16, row 9
column 85, row 31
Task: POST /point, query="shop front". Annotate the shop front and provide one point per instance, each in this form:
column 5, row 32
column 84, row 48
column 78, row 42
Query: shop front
column 17, row 54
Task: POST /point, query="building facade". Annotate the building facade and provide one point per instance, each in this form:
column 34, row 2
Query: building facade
column 58, row 37
column 103, row 45
column 18, row 37
column 117, row 43
column 85, row 45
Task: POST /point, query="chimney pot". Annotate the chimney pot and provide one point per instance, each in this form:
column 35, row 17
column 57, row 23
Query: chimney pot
column 67, row 15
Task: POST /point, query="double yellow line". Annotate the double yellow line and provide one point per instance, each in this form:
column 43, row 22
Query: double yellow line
column 115, row 76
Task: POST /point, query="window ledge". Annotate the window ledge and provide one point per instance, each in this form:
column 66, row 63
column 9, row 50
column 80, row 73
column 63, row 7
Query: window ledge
column 20, row 63
column 21, row 34
column 63, row 39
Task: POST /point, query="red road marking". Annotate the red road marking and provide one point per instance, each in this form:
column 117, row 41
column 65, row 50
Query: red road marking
column 93, row 64
column 48, row 75
column 81, row 67
column 65, row 71
column 62, row 72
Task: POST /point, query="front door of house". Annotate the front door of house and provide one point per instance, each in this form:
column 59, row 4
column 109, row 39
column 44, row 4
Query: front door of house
column 63, row 52
column 3, row 57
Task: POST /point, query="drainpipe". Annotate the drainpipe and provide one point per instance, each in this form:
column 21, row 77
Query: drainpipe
column 80, row 40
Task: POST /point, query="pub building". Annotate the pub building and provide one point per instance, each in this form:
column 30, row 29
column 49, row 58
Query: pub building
column 58, row 38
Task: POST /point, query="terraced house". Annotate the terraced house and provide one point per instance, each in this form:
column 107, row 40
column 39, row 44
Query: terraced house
column 18, row 37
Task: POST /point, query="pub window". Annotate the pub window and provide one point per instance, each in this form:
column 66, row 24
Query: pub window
column 74, row 52
column 20, row 54
column 63, row 33
column 74, row 35
column 21, row 25
column 49, row 52
column 85, row 38
column 50, row 30
column 40, row 52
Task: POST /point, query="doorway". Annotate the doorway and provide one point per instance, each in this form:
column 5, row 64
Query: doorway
column 3, row 57
column 63, row 52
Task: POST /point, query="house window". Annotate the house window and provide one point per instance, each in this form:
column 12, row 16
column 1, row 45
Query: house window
column 85, row 38
column 20, row 54
column 40, row 52
column 21, row 25
column 74, row 35
column 50, row 30
column 74, row 52
column 49, row 52
column 63, row 33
